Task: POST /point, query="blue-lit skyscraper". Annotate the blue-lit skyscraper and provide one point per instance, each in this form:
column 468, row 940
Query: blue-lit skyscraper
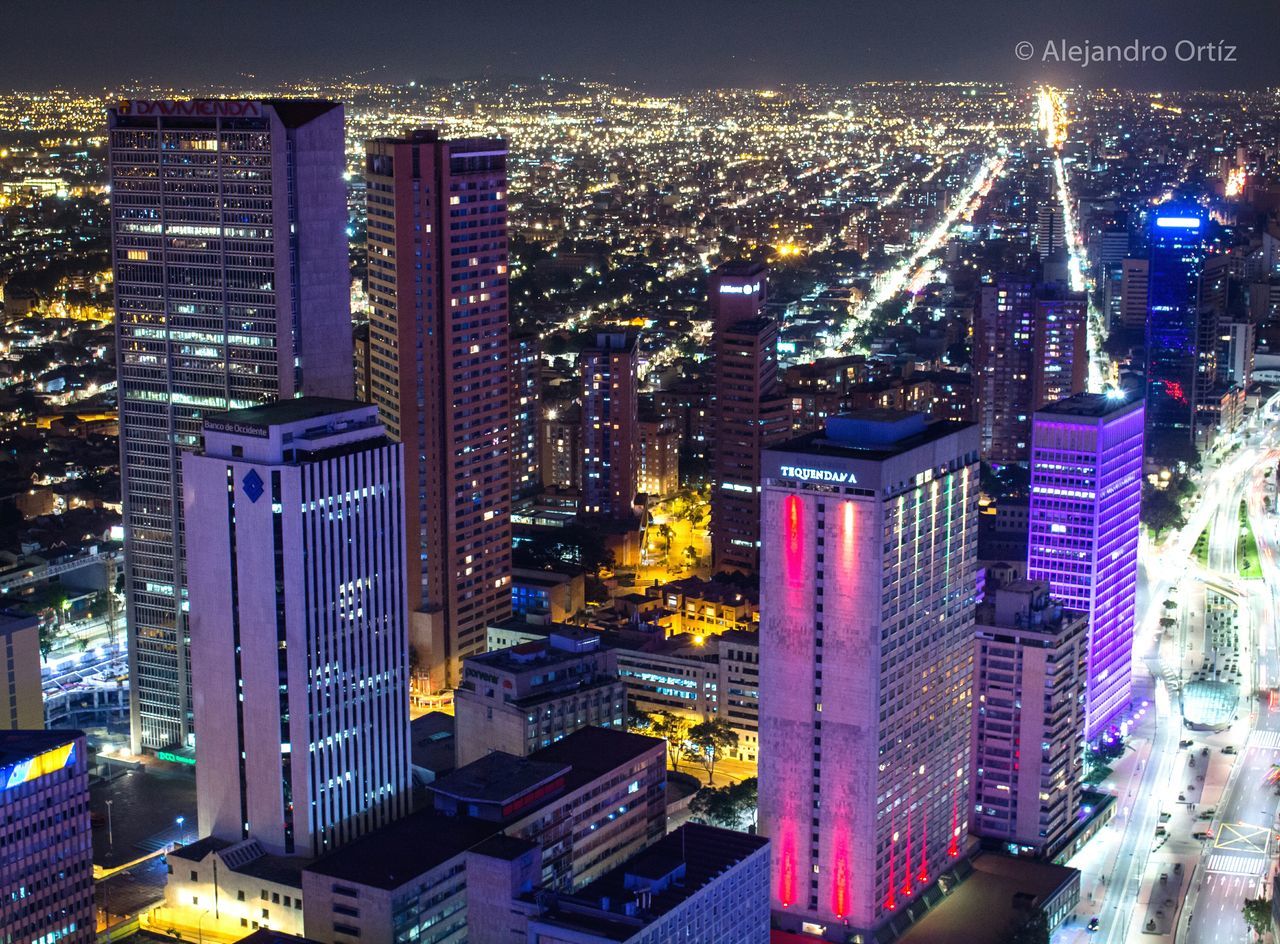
column 1086, row 494
column 1177, row 251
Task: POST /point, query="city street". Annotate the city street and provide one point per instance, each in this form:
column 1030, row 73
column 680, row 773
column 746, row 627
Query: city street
column 1228, row 802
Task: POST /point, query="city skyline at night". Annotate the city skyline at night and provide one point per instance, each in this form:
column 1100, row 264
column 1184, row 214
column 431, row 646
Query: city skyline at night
column 704, row 472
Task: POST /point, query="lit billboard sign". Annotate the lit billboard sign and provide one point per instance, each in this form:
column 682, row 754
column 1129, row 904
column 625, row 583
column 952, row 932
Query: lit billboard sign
column 46, row 762
column 1178, row 222
column 751, row 289
column 818, row 475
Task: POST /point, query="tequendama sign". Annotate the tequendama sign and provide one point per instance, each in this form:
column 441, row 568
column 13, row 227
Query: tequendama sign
column 818, row 475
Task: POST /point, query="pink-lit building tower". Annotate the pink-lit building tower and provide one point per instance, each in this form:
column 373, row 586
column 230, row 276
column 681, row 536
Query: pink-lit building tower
column 1086, row 494
column 869, row 531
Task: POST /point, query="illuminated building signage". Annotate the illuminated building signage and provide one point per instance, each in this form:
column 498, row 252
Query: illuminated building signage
column 818, row 475
column 751, row 289
column 1178, row 222
column 176, row 758
column 24, row 771
column 196, row 108
column 236, row 429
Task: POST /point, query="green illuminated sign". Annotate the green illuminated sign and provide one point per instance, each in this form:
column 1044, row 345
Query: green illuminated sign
column 176, row 758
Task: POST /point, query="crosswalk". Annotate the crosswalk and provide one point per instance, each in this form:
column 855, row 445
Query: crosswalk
column 1236, row 864
column 1267, row 740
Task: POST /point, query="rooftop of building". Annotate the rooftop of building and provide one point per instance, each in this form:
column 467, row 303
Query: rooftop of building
column 579, row 758
column 17, row 746
column 536, row 655
column 984, row 907
column 671, row 871
column 431, row 743
column 740, row 267
column 246, row 857
column 594, row 751
column 283, row 412
column 405, row 849
column 13, row 621
column 1091, row 405
column 872, row 434
column 711, row 590
column 268, row 936
column 499, row 778
column 540, row 578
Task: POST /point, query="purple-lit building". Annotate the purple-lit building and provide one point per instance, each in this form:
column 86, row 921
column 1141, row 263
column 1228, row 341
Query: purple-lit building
column 1086, row 490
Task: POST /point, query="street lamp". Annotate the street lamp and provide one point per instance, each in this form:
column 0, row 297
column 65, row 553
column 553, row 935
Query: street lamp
column 181, row 835
column 111, row 840
column 200, row 923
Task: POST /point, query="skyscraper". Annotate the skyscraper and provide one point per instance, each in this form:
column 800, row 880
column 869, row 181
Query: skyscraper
column 1086, row 492
column 869, row 539
column 231, row 289
column 46, row 841
column 1028, row 728
column 1030, row 346
column 750, row 412
column 610, row 427
column 299, row 624
column 442, row 378
column 1177, row 251
column 526, row 415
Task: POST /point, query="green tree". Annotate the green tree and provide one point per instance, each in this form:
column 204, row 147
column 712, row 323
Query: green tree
column 1257, row 914
column 665, row 531
column 640, row 722
column 1161, row 510
column 710, row 740
column 675, row 731
column 732, row 806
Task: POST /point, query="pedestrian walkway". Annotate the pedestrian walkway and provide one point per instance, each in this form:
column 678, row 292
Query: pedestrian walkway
column 1236, row 864
column 1265, row 740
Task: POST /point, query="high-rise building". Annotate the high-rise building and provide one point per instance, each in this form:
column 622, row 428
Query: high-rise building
column 1030, row 346
column 526, row 414
column 1060, row 348
column 610, row 427
column 868, row 585
column 1135, row 283
column 1028, row 728
column 46, row 841
column 561, row 453
column 231, row 289
column 1086, row 489
column 523, row 698
column 1177, row 253
column 659, row 455
column 750, row 410
column 299, row 624
column 21, row 694
column 442, row 379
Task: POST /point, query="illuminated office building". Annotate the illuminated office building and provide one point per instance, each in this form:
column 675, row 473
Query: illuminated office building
column 46, row 842
column 1030, row 347
column 1176, row 260
column 868, row 555
column 231, row 289
column 750, row 412
column 299, row 625
column 1086, row 492
column 610, row 427
column 442, row 378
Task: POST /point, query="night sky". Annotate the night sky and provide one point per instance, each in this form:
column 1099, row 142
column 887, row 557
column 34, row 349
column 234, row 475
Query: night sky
column 665, row 45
